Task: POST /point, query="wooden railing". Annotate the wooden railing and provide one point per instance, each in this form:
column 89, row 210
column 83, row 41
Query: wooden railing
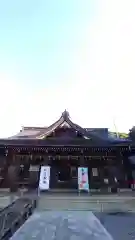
column 14, row 215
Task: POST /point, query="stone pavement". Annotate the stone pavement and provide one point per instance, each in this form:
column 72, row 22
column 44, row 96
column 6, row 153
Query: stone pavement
column 77, row 209
column 61, row 225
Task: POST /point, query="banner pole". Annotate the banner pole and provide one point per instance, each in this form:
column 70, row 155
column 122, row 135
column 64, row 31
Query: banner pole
column 38, row 192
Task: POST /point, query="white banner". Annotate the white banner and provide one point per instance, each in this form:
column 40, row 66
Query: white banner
column 83, row 183
column 44, row 178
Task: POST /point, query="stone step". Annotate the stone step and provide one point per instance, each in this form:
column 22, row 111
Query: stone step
column 81, row 207
column 80, row 197
column 91, row 191
column 77, row 204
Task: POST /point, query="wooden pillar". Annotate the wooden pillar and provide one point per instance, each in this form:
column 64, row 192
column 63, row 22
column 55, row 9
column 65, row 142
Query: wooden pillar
column 34, row 171
column 82, row 161
column 46, row 161
column 121, row 168
column 128, row 168
column 12, row 170
column 3, row 171
column 34, row 176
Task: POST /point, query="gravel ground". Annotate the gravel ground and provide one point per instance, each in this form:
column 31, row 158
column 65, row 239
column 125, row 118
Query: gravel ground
column 120, row 225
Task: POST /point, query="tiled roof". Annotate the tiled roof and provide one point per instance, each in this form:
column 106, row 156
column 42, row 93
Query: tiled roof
column 42, row 132
column 28, row 132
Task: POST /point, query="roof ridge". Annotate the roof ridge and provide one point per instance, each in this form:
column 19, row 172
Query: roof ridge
column 33, row 128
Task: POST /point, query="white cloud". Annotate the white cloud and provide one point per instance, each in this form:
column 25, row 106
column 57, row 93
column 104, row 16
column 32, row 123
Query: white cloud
column 101, row 81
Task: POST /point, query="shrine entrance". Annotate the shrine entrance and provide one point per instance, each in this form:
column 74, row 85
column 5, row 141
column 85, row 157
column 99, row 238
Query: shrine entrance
column 63, row 173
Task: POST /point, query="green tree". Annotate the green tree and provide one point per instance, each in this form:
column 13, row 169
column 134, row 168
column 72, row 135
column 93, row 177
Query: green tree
column 121, row 135
column 132, row 133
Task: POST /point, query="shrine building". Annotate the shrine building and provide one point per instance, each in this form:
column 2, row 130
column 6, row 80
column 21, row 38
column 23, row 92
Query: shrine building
column 65, row 146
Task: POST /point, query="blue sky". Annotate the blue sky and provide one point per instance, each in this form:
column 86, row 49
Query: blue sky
column 39, row 37
column 70, row 54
